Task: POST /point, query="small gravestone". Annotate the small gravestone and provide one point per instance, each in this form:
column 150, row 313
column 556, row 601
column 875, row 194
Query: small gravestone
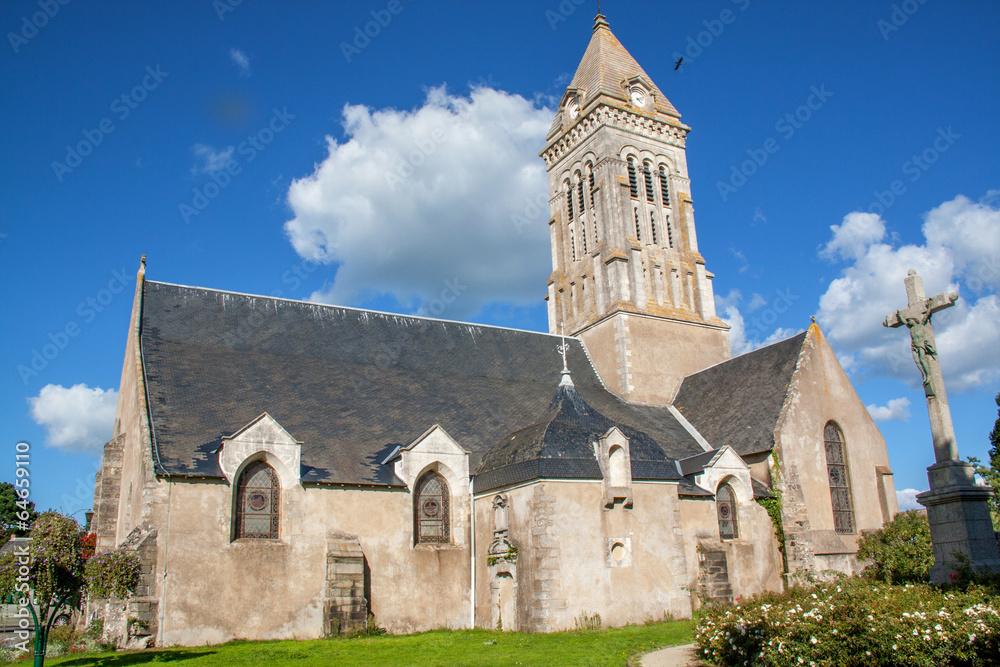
column 957, row 507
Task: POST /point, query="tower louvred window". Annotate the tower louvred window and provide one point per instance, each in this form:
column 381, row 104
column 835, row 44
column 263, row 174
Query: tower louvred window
column 652, row 225
column 638, row 226
column 633, row 183
column 664, row 187
column 569, row 201
column 579, row 198
column 647, row 177
column 590, row 177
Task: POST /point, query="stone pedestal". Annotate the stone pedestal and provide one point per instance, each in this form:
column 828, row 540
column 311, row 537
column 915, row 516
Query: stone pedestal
column 959, row 518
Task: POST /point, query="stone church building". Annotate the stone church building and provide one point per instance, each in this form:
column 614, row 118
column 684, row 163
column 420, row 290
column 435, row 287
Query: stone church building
column 287, row 468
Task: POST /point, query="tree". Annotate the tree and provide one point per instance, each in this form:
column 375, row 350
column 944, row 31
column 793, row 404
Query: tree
column 49, row 572
column 10, row 521
column 991, row 472
column 900, row 551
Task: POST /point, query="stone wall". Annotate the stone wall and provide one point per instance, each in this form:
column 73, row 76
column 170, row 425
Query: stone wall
column 107, row 491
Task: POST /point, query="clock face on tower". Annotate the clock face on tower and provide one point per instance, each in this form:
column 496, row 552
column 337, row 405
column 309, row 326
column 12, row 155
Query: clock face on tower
column 574, row 109
column 638, row 97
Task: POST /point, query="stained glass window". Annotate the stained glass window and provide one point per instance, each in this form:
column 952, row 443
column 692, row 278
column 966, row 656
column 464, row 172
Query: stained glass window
column 725, row 503
column 840, row 483
column 431, row 514
column 257, row 503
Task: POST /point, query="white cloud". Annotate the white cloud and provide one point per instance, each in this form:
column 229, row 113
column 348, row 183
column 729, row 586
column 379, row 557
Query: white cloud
column 209, row 159
column 898, row 409
column 756, row 301
column 852, row 238
column 742, row 340
column 242, row 61
column 961, row 253
column 78, row 419
column 451, row 191
column 907, row 499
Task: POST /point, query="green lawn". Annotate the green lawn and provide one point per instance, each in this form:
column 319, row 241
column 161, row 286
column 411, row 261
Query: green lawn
column 461, row 647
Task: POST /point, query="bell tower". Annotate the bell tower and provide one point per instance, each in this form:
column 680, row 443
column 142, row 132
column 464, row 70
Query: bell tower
column 626, row 273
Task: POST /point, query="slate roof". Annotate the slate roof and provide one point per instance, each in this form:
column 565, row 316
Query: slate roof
column 560, row 445
column 738, row 402
column 354, row 384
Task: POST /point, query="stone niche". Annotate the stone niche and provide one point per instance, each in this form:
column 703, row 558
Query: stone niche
column 347, row 586
column 612, row 452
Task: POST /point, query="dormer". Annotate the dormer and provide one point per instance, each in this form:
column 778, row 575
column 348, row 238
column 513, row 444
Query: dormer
column 639, row 92
column 615, row 459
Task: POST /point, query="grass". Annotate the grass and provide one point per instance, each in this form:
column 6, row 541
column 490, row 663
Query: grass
column 440, row 647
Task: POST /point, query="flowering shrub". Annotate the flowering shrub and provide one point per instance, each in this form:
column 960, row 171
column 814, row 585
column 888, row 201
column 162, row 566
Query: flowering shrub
column 855, row 622
column 113, row 573
column 900, row 552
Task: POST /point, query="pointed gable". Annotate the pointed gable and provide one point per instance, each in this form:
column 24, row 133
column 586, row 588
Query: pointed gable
column 738, row 402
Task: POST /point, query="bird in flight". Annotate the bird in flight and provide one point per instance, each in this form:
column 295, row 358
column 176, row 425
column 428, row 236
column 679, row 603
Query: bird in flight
column 677, row 65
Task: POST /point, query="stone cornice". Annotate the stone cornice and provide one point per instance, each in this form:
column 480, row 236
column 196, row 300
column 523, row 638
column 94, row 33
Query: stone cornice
column 618, row 118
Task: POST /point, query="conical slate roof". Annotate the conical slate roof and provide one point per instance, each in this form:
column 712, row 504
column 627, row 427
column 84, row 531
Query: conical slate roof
column 606, row 64
column 560, row 445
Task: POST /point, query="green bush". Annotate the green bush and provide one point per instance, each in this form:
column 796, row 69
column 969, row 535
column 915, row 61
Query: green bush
column 900, row 552
column 855, row 622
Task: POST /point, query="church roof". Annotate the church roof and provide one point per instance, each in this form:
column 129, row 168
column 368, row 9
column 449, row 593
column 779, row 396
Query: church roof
column 738, row 402
column 605, row 69
column 352, row 385
column 561, row 445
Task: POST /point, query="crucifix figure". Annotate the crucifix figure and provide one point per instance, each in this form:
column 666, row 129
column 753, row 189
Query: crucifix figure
column 917, row 318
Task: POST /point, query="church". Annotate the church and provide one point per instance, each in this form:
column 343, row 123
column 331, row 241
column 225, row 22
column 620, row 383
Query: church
column 291, row 469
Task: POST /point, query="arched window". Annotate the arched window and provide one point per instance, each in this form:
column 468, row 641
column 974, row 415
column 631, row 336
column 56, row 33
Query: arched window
column 569, row 199
column 579, row 192
column 431, row 517
column 647, row 177
column 257, row 505
column 590, row 179
column 652, row 225
column 725, row 504
column 633, row 183
column 617, row 467
column 840, row 482
column 664, row 187
column 638, row 226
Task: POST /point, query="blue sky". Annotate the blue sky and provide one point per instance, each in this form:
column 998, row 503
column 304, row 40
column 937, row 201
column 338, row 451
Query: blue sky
column 276, row 148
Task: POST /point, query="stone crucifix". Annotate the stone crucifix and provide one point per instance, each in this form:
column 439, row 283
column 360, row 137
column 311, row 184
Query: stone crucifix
column 917, row 318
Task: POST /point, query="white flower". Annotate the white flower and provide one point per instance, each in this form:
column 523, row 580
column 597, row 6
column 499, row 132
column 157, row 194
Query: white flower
column 813, row 640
